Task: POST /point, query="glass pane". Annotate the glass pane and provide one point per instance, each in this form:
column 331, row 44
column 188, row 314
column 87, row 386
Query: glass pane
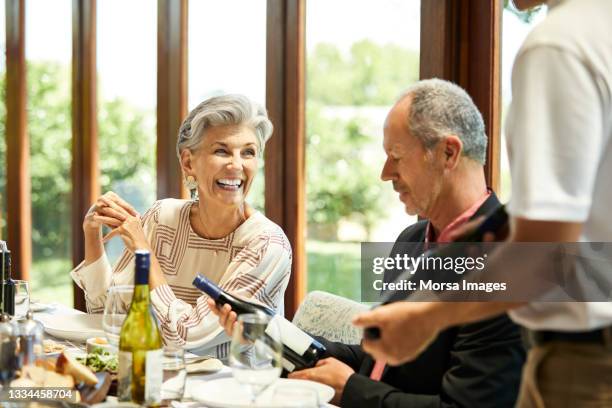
column 48, row 55
column 127, row 99
column 227, row 54
column 516, row 25
column 2, row 123
column 354, row 75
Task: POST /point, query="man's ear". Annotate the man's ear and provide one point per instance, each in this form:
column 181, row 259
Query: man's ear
column 187, row 162
column 453, row 146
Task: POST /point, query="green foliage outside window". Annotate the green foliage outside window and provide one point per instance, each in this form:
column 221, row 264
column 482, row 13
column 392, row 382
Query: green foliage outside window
column 126, row 143
column 343, row 180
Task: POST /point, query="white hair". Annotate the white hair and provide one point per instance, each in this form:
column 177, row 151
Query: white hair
column 231, row 109
column 439, row 108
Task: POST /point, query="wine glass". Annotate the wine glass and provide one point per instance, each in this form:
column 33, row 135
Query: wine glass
column 174, row 374
column 22, row 298
column 255, row 353
column 116, row 307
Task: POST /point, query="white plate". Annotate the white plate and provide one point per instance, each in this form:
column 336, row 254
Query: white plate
column 74, row 327
column 228, row 393
column 37, row 307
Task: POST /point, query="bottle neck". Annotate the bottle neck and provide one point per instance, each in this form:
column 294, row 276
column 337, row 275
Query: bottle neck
column 141, row 293
column 5, row 265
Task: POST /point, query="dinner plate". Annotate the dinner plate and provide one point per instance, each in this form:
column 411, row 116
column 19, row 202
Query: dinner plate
column 75, row 327
column 37, row 307
column 228, row 393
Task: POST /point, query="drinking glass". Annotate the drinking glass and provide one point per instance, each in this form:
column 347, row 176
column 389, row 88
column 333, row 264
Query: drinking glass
column 22, row 298
column 116, row 307
column 255, row 353
column 174, row 376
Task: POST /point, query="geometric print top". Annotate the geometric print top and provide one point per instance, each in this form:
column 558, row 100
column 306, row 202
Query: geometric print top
column 254, row 261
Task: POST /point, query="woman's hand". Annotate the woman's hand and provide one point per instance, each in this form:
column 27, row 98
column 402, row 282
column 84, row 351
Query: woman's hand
column 132, row 234
column 227, row 317
column 110, row 210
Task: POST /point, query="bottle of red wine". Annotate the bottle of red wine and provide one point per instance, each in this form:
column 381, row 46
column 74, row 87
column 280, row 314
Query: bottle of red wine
column 299, row 349
column 7, row 286
column 494, row 222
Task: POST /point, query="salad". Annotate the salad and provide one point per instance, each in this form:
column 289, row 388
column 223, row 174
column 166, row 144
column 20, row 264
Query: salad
column 100, row 360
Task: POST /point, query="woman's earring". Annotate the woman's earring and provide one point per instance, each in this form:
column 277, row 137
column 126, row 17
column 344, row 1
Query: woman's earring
column 191, row 184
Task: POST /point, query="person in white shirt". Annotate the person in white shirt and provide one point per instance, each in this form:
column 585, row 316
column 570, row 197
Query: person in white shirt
column 559, row 131
column 217, row 234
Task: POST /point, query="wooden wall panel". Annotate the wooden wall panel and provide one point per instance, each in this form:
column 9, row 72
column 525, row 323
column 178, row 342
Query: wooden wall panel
column 85, row 172
column 19, row 213
column 285, row 100
column 171, row 93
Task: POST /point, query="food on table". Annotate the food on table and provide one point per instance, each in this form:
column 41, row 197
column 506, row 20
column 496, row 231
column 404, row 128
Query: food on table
column 69, row 365
column 97, row 344
column 50, row 346
column 34, row 376
column 100, row 360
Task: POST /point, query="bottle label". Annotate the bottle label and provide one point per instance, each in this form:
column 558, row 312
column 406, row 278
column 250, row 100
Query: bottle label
column 153, row 377
column 287, row 365
column 124, row 376
column 291, row 335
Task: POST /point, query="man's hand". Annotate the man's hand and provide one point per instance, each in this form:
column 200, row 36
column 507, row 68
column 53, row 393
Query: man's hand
column 227, row 317
column 406, row 329
column 329, row 371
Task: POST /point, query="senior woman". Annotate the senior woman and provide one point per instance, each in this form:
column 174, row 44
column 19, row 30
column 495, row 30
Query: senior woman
column 217, row 234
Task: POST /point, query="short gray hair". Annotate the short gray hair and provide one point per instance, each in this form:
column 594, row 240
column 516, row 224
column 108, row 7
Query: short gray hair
column 231, row 109
column 439, row 108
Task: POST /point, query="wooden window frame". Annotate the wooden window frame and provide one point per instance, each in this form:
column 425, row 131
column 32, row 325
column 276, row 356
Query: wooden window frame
column 19, row 214
column 171, row 94
column 466, row 50
column 285, row 188
column 85, row 168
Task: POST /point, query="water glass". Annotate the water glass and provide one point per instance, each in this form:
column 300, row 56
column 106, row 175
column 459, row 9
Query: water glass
column 116, row 307
column 255, row 353
column 22, row 298
column 174, row 375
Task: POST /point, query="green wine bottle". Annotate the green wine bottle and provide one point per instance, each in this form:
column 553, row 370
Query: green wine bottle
column 140, row 344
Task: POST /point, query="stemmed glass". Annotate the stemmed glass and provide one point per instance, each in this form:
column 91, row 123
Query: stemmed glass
column 22, row 298
column 255, row 353
column 116, row 307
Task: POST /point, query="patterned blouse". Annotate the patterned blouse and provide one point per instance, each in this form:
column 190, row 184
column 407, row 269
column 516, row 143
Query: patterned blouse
column 254, row 261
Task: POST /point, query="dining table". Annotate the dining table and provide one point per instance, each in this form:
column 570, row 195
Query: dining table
column 193, row 379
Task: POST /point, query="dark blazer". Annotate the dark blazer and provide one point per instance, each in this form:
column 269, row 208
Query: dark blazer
column 474, row 365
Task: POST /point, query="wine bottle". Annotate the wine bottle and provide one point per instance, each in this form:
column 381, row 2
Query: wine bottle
column 299, row 349
column 494, row 222
column 8, row 285
column 140, row 343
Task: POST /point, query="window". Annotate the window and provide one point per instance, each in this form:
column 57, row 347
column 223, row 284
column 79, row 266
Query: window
column 48, row 54
column 227, row 54
column 354, row 75
column 127, row 95
column 516, row 25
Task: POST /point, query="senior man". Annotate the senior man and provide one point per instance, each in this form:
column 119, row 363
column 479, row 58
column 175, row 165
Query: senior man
column 435, row 143
column 559, row 131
